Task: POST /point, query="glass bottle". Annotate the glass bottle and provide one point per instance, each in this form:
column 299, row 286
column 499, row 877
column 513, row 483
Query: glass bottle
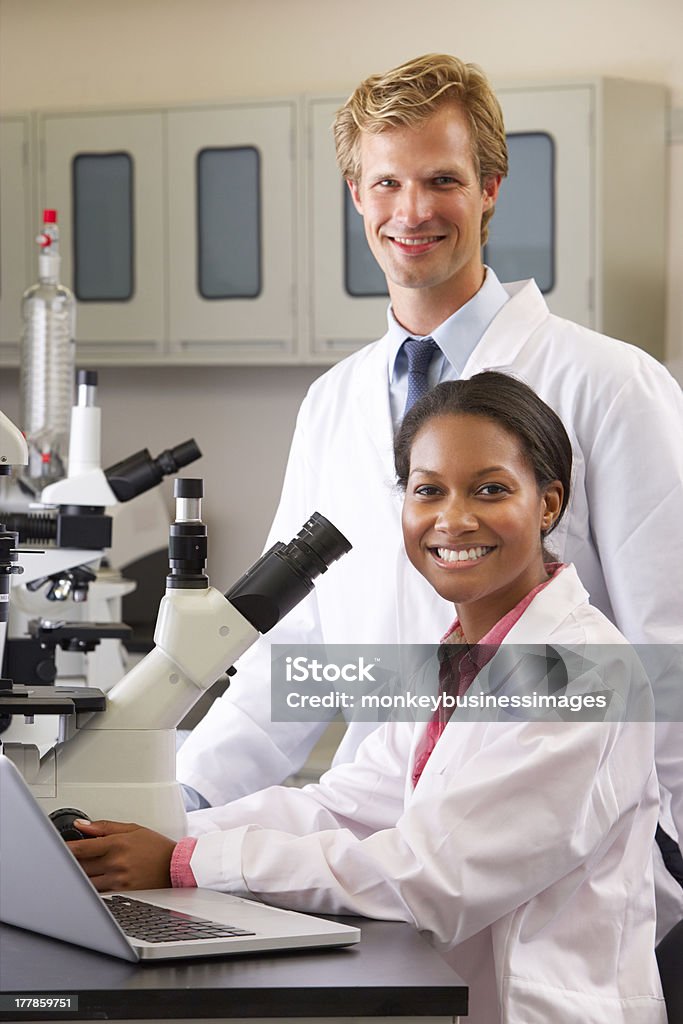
column 47, row 363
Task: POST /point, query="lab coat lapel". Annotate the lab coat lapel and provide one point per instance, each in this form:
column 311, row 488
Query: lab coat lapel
column 510, row 330
column 549, row 609
column 371, row 401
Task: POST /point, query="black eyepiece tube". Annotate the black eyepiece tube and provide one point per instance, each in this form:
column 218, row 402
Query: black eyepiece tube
column 174, row 459
column 284, row 575
column 140, row 472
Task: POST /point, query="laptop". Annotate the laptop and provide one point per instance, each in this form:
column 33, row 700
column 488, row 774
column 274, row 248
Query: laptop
column 157, row 924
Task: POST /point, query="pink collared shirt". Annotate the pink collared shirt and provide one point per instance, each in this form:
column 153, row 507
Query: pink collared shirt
column 468, row 667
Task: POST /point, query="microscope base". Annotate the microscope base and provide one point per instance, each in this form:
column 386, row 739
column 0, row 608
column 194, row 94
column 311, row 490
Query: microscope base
column 142, row 763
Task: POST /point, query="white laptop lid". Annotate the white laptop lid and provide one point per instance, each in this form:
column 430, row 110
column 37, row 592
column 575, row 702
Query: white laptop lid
column 44, row 889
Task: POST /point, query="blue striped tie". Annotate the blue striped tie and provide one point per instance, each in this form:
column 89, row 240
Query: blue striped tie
column 419, row 352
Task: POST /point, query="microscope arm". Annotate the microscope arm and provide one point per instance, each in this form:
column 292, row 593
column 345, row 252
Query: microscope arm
column 198, row 636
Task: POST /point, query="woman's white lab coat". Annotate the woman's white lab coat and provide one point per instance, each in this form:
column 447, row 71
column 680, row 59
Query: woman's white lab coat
column 524, row 851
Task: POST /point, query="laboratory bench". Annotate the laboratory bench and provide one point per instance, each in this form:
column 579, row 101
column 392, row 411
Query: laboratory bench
column 393, row 974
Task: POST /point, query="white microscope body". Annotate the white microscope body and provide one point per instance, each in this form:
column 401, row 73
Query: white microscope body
column 120, row 764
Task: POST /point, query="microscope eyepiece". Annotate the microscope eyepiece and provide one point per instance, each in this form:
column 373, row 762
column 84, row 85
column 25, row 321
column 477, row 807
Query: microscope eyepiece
column 188, row 488
column 187, row 541
column 317, row 544
column 284, row 575
column 140, row 472
column 173, row 459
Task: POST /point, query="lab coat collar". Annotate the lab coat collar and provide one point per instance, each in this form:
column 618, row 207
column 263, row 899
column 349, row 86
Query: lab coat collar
column 564, row 593
column 502, row 340
column 461, row 332
column 517, row 320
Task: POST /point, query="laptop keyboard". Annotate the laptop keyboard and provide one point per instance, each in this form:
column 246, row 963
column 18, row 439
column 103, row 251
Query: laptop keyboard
column 146, row 921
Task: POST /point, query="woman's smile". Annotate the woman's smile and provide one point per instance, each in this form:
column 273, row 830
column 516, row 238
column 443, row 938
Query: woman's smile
column 461, row 558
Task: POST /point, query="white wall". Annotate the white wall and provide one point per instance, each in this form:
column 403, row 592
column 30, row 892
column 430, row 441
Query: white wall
column 78, row 52
column 90, row 53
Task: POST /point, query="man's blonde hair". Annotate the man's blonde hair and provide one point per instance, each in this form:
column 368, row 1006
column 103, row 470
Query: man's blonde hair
column 408, row 95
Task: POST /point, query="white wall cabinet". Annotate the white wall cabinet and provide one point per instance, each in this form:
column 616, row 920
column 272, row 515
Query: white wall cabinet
column 222, row 234
column 17, row 251
column 195, row 212
column 583, row 210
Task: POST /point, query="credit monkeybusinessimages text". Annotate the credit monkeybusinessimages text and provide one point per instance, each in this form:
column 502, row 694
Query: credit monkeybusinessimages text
column 433, row 702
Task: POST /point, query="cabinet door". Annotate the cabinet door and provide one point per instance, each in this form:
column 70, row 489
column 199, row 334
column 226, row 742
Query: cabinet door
column 104, row 175
column 16, row 232
column 542, row 226
column 232, row 232
column 348, row 290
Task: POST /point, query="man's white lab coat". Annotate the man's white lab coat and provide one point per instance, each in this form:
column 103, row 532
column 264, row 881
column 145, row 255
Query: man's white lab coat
column 524, row 851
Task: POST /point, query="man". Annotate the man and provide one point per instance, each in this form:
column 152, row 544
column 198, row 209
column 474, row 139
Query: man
column 423, row 150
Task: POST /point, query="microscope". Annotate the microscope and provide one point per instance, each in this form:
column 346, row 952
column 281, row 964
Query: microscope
column 74, row 525
column 119, row 763
column 20, row 699
column 13, row 452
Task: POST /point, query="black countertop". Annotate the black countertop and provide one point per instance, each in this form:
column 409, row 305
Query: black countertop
column 393, row 971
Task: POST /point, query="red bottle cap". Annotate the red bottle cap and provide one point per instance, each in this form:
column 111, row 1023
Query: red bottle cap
column 49, row 216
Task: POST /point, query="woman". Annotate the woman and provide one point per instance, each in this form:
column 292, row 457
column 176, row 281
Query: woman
column 522, row 847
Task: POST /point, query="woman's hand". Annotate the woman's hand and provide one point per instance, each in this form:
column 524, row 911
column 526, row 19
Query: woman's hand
column 123, row 856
